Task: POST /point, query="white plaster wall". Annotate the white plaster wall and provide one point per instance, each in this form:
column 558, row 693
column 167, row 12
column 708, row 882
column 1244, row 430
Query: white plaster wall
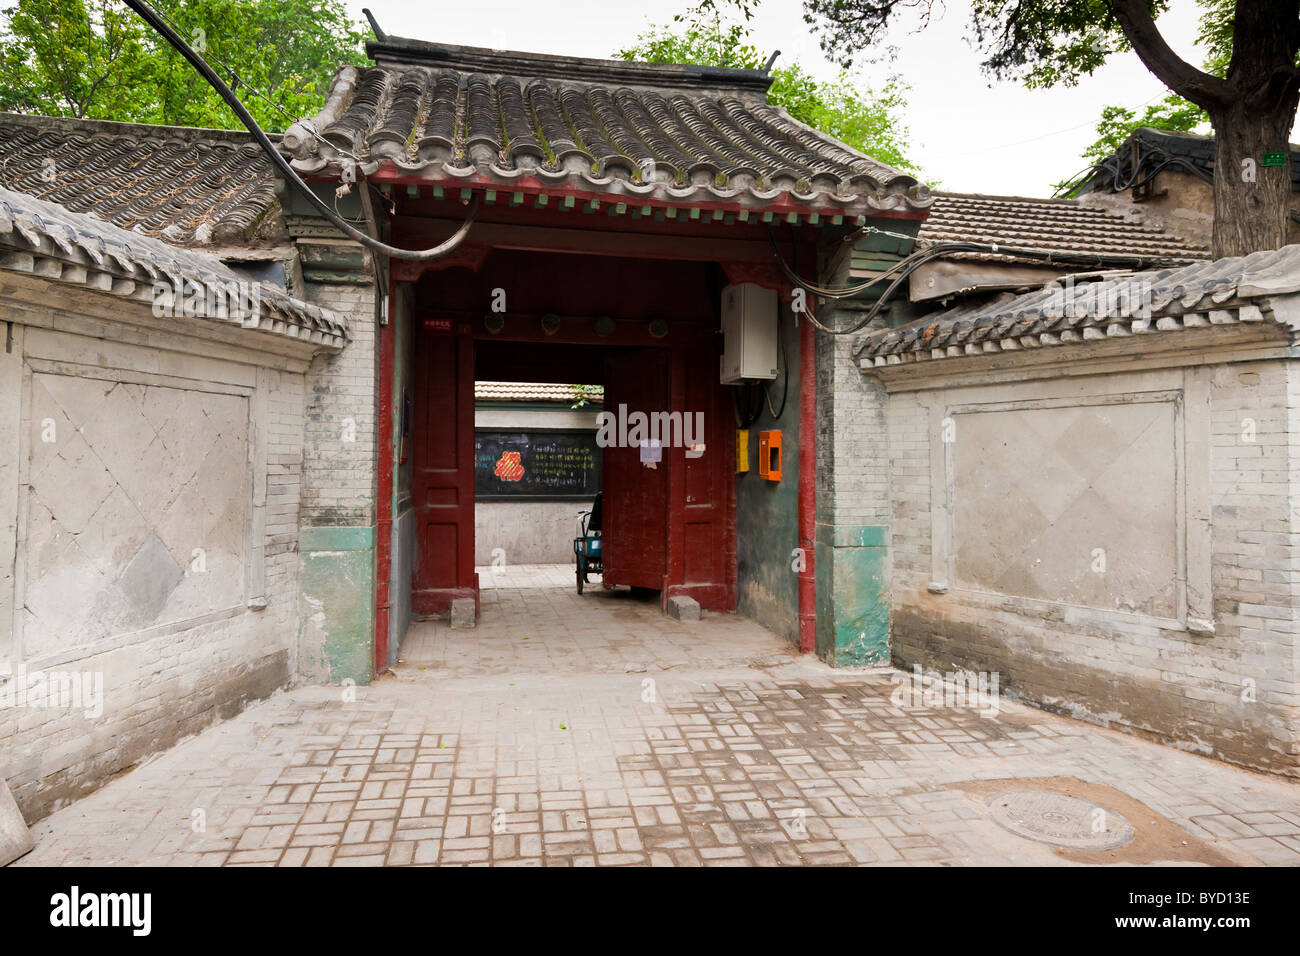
column 1232, row 693
column 183, row 440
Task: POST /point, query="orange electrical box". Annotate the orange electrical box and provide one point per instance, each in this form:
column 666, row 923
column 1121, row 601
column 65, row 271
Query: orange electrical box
column 769, row 455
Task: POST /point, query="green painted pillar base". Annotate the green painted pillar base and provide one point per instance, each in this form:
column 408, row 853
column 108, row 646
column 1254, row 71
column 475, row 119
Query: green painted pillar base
column 853, row 595
column 336, row 635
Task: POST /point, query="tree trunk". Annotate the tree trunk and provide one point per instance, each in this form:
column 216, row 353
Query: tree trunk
column 1252, row 107
column 1252, row 202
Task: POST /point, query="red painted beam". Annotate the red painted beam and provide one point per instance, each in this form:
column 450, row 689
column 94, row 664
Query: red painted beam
column 575, row 236
column 531, row 186
column 807, row 511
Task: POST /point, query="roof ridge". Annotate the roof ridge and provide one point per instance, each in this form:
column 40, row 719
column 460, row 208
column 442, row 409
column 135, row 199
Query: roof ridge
column 196, row 134
column 991, row 197
column 405, row 51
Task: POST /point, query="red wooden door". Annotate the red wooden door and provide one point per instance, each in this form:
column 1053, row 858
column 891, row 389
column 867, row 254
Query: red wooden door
column 443, row 467
column 635, row 520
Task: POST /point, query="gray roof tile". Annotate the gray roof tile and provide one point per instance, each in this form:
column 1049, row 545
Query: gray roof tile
column 187, row 186
column 491, row 117
column 42, row 238
column 1051, row 225
column 1223, row 291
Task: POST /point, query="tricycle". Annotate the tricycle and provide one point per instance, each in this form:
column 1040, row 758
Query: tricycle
column 587, row 546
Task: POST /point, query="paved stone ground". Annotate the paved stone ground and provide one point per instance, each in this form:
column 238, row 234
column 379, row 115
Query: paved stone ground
column 596, row 731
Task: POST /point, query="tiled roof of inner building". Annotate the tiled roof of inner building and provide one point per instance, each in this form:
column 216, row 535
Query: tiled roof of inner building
column 1222, row 292
column 186, row 186
column 468, row 115
column 1051, row 225
column 47, row 241
column 1156, row 145
column 534, row 392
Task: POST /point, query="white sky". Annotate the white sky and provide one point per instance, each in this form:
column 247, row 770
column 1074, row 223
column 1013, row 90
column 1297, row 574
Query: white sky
column 968, row 134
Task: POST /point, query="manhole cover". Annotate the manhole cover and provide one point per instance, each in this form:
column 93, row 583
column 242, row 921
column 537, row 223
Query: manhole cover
column 1058, row 820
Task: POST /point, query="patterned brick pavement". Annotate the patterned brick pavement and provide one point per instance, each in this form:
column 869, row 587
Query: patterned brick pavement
column 595, row 731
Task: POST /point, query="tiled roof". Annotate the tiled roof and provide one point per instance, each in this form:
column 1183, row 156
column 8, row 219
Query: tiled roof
column 45, row 240
column 1222, row 292
column 470, row 115
column 1051, row 225
column 533, row 392
column 1189, row 152
column 187, row 186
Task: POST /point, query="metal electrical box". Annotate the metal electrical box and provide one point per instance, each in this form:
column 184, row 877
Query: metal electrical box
column 749, row 329
column 769, row 455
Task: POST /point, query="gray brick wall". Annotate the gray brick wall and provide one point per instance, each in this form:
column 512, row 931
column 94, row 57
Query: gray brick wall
column 339, row 475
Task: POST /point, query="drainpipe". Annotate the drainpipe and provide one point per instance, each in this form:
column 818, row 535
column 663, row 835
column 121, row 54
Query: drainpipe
column 807, row 514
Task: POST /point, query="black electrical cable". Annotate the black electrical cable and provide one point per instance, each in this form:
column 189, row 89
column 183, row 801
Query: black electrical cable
column 785, row 379
column 913, row 261
column 151, row 17
column 1134, row 179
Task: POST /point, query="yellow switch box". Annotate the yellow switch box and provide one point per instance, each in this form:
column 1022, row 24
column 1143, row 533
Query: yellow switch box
column 742, row 450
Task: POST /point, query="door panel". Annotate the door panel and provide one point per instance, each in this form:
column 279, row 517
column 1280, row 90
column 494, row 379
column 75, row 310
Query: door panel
column 443, row 469
column 635, row 495
column 703, row 511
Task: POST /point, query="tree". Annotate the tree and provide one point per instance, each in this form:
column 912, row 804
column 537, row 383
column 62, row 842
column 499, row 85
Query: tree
column 1118, row 123
column 865, row 119
column 70, row 57
column 1173, row 113
column 1251, row 105
column 96, row 59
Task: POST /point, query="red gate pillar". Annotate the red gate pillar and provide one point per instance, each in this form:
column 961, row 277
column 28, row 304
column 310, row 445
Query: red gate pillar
column 384, row 481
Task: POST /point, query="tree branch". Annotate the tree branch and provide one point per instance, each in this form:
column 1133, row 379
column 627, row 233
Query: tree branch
column 1206, row 91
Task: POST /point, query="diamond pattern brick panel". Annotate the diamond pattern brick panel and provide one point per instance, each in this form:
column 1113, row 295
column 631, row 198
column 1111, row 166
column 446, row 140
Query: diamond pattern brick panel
column 137, row 478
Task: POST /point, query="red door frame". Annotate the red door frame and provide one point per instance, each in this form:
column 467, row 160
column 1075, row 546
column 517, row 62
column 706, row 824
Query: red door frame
column 386, row 492
column 744, row 267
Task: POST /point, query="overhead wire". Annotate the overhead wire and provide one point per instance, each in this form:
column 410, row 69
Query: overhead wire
column 928, row 251
column 162, row 27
